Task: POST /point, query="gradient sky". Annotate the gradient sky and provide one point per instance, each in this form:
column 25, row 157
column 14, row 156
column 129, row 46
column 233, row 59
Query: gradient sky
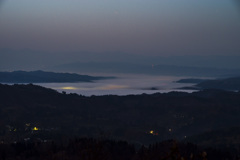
column 157, row 27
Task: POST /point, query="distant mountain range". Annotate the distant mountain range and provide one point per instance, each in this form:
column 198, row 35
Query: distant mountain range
column 11, row 59
column 45, row 77
column 136, row 68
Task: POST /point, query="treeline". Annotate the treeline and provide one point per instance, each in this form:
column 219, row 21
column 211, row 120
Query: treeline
column 94, row 149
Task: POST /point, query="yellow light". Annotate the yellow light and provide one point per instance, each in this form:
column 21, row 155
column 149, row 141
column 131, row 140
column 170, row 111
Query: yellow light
column 151, row 132
column 35, row 129
column 69, row 88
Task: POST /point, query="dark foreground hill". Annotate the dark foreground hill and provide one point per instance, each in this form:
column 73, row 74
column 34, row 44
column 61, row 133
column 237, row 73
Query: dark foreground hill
column 45, row 77
column 30, row 111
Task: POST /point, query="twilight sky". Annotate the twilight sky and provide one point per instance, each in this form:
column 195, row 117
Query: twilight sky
column 132, row 26
column 139, row 27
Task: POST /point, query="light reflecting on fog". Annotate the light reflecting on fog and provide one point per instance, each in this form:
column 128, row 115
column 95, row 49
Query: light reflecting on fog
column 122, row 85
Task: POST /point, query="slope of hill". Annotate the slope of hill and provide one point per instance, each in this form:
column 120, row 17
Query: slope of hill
column 225, row 84
column 44, row 77
column 221, row 138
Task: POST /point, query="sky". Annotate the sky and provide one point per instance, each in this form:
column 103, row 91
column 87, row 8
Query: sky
column 73, row 28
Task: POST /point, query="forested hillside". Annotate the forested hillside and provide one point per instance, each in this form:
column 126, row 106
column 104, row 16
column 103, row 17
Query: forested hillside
column 33, row 111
